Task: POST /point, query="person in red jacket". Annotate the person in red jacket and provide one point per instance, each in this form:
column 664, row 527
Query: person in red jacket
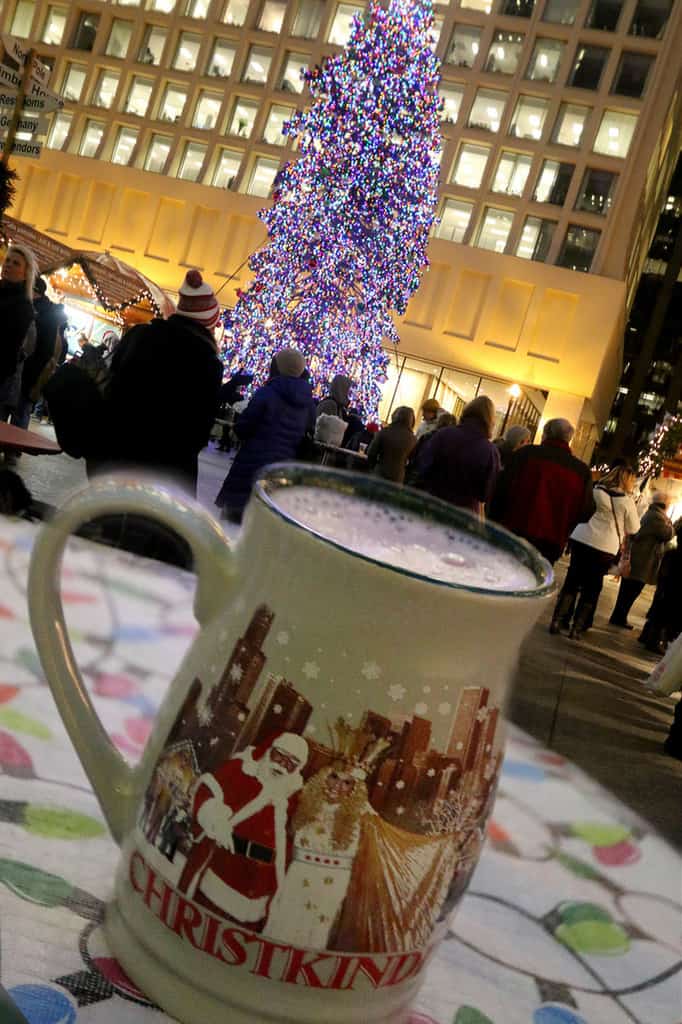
column 545, row 491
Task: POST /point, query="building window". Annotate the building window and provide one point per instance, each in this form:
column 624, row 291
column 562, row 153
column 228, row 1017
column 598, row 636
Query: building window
column 243, row 117
column 596, row 191
column 504, row 53
column 615, row 133
column 157, row 154
column 470, row 165
column 173, row 103
column 21, row 23
column 588, row 66
column 545, row 60
column 633, row 71
column 579, row 248
column 139, row 95
column 128, row 3
column 308, row 19
column 197, row 9
column 153, row 44
column 494, row 229
column 227, row 168
column 294, row 65
column 257, row 66
column 119, row 38
column 74, row 80
column 451, row 97
column 650, row 18
column 105, row 90
column 207, row 111
column 454, row 220
column 477, row 5
column 570, row 123
column 536, row 239
column 553, row 182
column 561, row 12
column 235, row 12
column 464, row 46
column 604, row 15
column 518, row 8
column 262, row 176
column 436, row 30
column 59, row 131
column 273, row 126
column 487, row 110
column 512, row 173
column 92, row 138
column 163, row 6
column 126, row 140
column 187, row 52
column 55, row 23
column 86, row 32
column 222, row 59
column 342, row 24
column 272, row 16
column 192, row 161
column 529, row 117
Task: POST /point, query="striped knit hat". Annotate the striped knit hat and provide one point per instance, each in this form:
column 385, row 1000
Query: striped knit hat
column 197, row 301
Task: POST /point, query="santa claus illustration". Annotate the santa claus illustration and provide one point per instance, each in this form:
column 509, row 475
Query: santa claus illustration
column 241, row 851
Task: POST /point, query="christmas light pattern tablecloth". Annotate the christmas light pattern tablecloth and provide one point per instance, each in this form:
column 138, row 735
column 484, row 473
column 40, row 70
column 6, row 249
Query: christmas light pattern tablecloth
column 573, row 915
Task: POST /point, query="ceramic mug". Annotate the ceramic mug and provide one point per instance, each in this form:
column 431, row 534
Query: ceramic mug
column 312, row 799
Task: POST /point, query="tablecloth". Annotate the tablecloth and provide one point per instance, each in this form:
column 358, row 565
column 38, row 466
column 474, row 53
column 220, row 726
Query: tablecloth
column 573, row 915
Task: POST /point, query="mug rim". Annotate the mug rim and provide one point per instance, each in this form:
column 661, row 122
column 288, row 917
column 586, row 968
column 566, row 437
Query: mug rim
column 418, row 503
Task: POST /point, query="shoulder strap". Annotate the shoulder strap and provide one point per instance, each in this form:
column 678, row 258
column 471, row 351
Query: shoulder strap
column 615, row 519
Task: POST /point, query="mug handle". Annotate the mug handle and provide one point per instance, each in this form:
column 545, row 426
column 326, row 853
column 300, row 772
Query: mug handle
column 115, row 782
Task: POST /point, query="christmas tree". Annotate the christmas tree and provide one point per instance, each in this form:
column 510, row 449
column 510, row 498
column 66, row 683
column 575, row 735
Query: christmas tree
column 349, row 224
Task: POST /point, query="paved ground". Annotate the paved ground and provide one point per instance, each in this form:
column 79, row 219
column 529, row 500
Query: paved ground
column 585, row 700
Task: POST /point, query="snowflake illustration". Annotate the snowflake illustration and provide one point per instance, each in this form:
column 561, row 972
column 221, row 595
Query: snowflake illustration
column 481, row 715
column 277, row 710
column 400, row 784
column 204, row 714
column 400, row 810
column 421, row 708
column 445, row 708
column 426, row 689
column 311, row 670
column 371, row 670
column 431, row 772
column 396, row 692
column 236, row 673
column 283, row 637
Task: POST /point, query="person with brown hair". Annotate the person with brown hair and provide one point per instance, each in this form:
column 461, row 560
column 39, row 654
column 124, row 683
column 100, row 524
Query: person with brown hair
column 461, row 464
column 391, row 448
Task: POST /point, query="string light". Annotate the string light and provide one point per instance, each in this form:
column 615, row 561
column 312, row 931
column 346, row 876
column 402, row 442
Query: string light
column 665, row 444
column 349, row 226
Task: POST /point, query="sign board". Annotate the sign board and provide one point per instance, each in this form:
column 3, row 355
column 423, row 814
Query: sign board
column 37, row 98
column 32, row 104
column 29, row 150
column 32, row 125
column 17, row 52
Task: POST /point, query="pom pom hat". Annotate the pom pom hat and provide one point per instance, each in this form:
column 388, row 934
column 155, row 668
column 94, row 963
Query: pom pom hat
column 197, row 301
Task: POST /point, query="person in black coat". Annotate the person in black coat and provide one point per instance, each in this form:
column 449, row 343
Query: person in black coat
column 45, row 356
column 271, row 429
column 16, row 319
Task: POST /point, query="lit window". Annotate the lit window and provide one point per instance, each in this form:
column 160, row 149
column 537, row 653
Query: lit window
column 153, row 44
column 604, row 15
column 206, row 111
column 273, row 128
column 235, row 12
column 162, row 6
column 615, row 133
column 536, row 239
column 139, row 95
column 579, row 248
column 21, row 23
column 128, row 3
column 86, row 32
column 588, row 65
column 596, row 191
column 126, row 140
column 243, row 117
column 633, row 71
column 470, row 166
column 570, row 124
column 106, row 87
column 650, row 18
column 222, row 59
column 55, row 23
column 227, row 168
column 435, row 31
column 173, row 103
column 157, row 154
column 494, row 230
column 545, row 60
column 92, row 138
column 487, row 110
column 192, row 161
column 342, row 24
column 529, row 117
column 292, row 72
column 477, row 5
column 553, row 182
column 257, row 65
column 451, row 95
column 74, row 80
column 272, row 16
column 187, row 52
column 454, row 220
column 518, row 8
column 512, row 173
column 59, row 131
column 308, row 19
column 464, row 46
column 561, row 12
column 197, row 8
column 262, row 176
column 119, row 38
column 504, row 53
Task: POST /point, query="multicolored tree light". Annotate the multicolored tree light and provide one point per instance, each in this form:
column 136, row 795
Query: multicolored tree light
column 349, row 225
column 665, row 443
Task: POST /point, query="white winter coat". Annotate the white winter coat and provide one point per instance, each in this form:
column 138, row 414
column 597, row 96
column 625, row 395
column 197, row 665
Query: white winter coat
column 600, row 531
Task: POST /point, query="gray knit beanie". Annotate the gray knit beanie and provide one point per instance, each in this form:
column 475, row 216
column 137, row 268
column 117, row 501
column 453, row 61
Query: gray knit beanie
column 290, row 362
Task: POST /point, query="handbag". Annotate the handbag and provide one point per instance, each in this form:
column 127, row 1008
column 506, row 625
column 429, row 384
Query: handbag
column 622, row 565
